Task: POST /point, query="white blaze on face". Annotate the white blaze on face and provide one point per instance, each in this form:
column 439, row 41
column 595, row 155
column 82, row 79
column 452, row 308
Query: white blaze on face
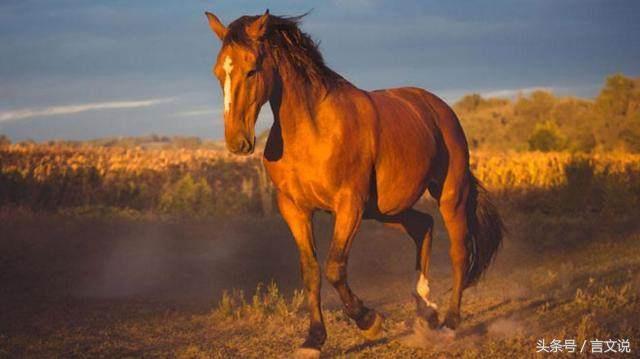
column 423, row 290
column 227, row 67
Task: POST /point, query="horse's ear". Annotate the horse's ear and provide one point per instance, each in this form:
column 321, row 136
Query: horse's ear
column 216, row 25
column 257, row 29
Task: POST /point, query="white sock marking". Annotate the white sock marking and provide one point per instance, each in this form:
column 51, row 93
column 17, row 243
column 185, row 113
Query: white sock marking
column 423, row 290
column 227, row 66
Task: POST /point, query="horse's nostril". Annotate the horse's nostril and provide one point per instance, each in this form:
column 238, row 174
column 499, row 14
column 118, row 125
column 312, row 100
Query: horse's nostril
column 241, row 145
column 246, row 146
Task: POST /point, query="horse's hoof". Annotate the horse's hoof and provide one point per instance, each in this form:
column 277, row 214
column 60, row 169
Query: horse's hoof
column 427, row 313
column 306, row 353
column 374, row 332
column 430, row 317
column 451, row 320
column 446, row 334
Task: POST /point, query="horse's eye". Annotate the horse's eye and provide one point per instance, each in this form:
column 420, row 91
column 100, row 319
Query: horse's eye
column 251, row 73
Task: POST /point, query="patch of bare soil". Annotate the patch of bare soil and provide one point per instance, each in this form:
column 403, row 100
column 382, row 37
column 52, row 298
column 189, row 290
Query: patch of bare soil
column 79, row 287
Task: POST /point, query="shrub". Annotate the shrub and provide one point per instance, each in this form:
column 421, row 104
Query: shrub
column 547, row 138
column 187, row 197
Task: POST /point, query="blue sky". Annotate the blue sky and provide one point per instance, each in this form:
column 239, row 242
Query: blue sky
column 85, row 69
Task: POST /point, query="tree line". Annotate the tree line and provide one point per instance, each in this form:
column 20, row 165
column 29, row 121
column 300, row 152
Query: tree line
column 544, row 122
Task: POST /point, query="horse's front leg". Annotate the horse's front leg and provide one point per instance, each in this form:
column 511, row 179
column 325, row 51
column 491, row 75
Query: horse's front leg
column 299, row 221
column 348, row 218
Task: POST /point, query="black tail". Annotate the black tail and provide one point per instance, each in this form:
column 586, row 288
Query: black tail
column 485, row 232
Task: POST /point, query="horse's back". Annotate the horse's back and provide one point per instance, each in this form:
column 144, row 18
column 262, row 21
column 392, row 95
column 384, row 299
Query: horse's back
column 414, row 129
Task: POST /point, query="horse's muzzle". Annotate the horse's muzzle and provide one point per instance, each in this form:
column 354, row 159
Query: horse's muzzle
column 241, row 146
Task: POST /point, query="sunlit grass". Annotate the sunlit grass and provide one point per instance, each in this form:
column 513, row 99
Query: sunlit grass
column 206, row 182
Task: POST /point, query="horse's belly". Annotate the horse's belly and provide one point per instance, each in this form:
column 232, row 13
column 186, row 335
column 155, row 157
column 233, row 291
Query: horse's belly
column 399, row 186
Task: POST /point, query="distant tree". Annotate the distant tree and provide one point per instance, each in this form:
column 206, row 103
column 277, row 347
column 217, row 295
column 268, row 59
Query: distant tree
column 630, row 139
column 27, row 142
column 616, row 95
column 546, row 137
column 536, row 107
column 583, row 142
column 4, row 140
column 469, row 103
column 571, row 112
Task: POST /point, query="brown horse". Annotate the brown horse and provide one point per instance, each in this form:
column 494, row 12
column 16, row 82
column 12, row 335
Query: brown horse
column 355, row 153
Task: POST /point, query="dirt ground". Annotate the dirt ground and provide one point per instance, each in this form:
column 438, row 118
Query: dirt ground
column 118, row 287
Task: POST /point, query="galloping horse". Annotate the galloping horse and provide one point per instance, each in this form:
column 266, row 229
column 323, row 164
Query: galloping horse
column 357, row 154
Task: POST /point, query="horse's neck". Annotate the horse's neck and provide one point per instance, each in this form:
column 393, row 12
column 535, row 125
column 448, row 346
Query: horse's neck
column 294, row 108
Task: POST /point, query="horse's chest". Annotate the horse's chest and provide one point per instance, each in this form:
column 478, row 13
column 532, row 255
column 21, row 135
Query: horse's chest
column 308, row 182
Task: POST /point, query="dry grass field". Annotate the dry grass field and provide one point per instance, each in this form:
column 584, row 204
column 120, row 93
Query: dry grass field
column 207, row 182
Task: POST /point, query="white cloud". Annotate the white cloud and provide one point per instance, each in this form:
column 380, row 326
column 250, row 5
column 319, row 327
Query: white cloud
column 515, row 92
column 20, row 114
column 199, row 112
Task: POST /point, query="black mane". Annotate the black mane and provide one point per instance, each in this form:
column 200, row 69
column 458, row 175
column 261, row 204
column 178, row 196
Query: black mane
column 287, row 42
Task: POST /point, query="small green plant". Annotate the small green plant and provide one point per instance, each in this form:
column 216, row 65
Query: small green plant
column 267, row 301
column 228, row 303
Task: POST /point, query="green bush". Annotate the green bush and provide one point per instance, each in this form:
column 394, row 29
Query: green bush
column 547, row 138
column 187, row 197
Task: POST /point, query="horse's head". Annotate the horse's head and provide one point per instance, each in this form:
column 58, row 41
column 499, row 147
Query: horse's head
column 246, row 76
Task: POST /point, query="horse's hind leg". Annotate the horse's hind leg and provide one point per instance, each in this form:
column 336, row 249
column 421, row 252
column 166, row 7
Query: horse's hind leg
column 453, row 207
column 348, row 219
column 419, row 226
